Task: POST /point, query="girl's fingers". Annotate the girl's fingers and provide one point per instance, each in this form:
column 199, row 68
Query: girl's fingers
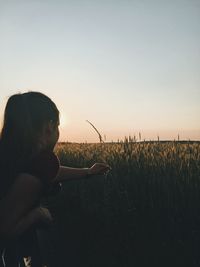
column 100, row 168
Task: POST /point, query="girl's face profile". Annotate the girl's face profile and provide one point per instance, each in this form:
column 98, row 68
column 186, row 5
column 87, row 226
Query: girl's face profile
column 55, row 134
column 51, row 135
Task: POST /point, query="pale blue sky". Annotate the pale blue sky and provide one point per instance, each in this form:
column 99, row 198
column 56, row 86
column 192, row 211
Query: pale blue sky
column 127, row 66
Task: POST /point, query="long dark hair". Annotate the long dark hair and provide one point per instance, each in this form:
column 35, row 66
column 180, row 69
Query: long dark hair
column 24, row 117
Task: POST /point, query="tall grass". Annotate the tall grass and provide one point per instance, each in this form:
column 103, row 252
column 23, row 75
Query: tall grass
column 144, row 213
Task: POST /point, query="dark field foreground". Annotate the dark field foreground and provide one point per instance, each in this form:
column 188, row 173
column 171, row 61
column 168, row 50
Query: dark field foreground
column 146, row 212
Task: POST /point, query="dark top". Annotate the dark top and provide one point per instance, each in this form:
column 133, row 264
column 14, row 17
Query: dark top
column 45, row 166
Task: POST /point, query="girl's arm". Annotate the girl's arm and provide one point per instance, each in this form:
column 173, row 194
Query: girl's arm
column 68, row 173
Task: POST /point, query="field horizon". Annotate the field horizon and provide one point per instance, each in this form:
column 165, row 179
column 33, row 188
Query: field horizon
column 143, row 141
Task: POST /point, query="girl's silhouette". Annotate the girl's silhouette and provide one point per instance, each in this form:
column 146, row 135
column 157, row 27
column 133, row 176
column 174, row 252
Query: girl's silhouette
column 29, row 170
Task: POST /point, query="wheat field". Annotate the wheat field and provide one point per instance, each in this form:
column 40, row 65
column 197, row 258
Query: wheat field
column 145, row 212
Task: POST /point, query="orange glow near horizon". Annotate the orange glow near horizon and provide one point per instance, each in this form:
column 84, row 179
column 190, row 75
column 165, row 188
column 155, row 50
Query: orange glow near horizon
column 73, row 135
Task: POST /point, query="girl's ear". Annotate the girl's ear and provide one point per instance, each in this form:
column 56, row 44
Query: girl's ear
column 49, row 127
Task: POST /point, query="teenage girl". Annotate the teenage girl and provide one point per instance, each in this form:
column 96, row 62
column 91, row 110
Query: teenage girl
column 29, row 169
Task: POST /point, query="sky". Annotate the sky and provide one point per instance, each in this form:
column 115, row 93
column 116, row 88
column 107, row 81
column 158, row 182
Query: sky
column 126, row 66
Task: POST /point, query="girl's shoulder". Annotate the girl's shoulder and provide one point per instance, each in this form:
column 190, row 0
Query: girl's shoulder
column 44, row 166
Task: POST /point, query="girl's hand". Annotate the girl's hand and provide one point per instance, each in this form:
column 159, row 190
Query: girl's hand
column 44, row 216
column 98, row 169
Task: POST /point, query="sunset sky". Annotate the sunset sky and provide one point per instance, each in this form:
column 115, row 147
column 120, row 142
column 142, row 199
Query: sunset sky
column 126, row 66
